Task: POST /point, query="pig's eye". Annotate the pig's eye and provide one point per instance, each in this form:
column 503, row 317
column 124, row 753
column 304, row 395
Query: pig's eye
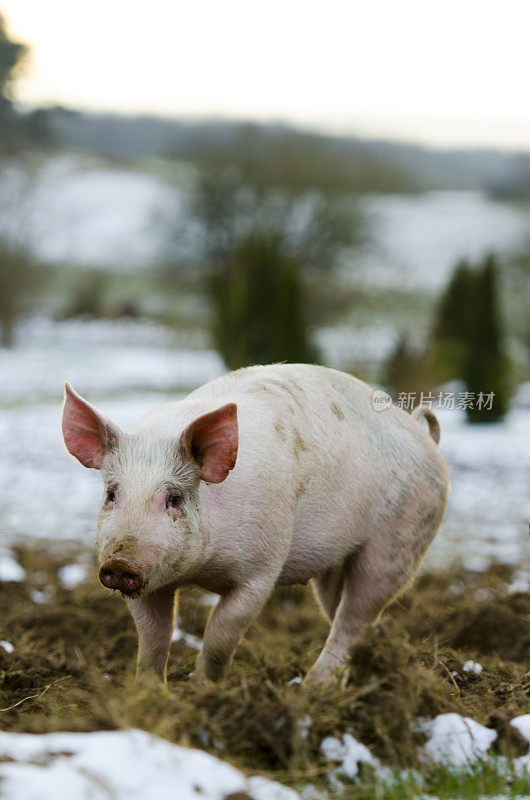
column 173, row 501
column 110, row 496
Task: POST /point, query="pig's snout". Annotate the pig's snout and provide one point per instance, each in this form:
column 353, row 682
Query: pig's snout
column 120, row 575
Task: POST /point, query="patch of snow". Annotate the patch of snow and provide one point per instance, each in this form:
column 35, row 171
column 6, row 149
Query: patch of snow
column 99, row 357
column 209, row 599
column 343, row 345
column 124, row 765
column 304, row 725
column 78, row 211
column 71, row 575
column 456, row 741
column 39, row 596
column 350, row 753
column 8, row 647
column 188, row 638
column 261, row 788
column 310, row 792
column 521, row 398
column 10, row 569
column 476, row 562
column 472, row 666
column 522, row 724
column 520, row 583
column 416, row 240
column 487, row 514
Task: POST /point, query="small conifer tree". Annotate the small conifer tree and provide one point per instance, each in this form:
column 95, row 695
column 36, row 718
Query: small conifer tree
column 468, row 338
column 485, row 366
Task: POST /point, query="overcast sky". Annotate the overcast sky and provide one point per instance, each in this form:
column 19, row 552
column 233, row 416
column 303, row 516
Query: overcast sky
column 454, row 72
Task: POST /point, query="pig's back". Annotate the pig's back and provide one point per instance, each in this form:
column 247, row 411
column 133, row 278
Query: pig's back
column 311, row 417
column 316, row 431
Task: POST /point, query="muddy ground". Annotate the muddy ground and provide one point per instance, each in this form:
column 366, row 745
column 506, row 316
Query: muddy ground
column 73, row 661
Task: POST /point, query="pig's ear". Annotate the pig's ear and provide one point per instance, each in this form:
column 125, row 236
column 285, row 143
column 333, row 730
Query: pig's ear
column 211, row 442
column 88, row 434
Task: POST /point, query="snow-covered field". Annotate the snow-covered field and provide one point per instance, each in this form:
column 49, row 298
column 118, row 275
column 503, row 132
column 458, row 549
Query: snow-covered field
column 488, row 512
column 124, row 765
column 128, row 367
column 76, row 210
column 100, row 357
column 418, row 239
column 79, row 211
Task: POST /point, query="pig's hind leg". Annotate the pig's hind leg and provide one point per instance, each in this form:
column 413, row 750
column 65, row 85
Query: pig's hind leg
column 372, row 577
column 327, row 588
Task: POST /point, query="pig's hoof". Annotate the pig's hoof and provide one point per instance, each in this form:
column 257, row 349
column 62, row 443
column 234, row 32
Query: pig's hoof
column 152, row 684
column 330, row 668
column 323, row 677
column 317, row 681
column 211, row 669
column 199, row 676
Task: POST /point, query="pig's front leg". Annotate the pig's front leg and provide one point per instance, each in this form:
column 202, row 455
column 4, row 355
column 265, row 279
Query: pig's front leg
column 227, row 624
column 154, row 616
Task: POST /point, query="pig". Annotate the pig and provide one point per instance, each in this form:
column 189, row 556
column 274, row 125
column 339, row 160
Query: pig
column 268, row 476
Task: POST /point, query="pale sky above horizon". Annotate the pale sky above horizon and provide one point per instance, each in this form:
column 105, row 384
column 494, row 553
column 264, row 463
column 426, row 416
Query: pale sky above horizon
column 451, row 73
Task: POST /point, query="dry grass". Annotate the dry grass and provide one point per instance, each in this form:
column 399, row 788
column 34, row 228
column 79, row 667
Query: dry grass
column 72, row 669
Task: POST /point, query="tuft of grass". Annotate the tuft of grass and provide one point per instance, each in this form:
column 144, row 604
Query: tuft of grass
column 73, row 663
column 493, row 780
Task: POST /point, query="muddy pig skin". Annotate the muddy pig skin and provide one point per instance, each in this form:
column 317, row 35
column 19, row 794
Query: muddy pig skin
column 267, row 476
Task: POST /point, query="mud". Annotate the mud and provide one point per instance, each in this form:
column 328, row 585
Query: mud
column 73, row 662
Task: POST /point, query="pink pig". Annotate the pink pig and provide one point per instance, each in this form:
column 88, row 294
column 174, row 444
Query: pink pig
column 267, row 476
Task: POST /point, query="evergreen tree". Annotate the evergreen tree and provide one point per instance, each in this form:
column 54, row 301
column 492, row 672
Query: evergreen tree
column 468, row 338
column 452, row 314
column 485, row 366
column 451, row 331
column 260, row 251
column 258, row 305
column 401, row 369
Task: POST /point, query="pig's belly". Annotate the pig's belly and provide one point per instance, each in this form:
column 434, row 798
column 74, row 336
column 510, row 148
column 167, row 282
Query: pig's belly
column 329, row 526
column 313, row 551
